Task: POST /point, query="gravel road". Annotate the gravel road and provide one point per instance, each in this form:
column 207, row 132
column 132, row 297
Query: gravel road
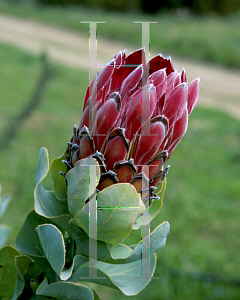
column 220, row 87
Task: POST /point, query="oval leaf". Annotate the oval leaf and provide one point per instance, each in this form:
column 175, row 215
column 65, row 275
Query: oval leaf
column 122, row 254
column 66, row 290
column 53, row 246
column 157, row 240
column 117, row 209
column 63, row 223
column 86, row 171
column 22, row 265
column 105, row 252
column 46, row 203
column 28, row 273
column 27, row 240
column 155, row 207
column 59, row 184
column 128, row 278
column 7, row 271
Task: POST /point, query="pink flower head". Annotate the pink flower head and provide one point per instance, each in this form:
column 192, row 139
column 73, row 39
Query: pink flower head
column 134, row 116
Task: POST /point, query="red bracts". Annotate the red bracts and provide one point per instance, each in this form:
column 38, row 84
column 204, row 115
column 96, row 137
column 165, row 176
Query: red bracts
column 135, row 114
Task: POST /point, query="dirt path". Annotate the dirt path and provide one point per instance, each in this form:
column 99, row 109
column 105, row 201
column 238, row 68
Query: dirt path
column 220, row 88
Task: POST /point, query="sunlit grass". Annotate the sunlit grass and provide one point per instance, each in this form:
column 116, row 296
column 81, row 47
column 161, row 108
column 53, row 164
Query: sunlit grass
column 212, row 38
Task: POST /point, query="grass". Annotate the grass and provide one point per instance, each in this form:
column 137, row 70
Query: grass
column 212, row 38
column 202, row 197
column 59, row 111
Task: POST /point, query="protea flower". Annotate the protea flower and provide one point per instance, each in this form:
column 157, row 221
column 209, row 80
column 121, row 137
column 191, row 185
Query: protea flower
column 130, row 144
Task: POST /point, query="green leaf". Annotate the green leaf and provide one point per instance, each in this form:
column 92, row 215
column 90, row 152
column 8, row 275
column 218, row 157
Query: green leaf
column 63, row 222
column 154, row 209
column 96, row 296
column 22, row 263
column 46, row 203
column 4, row 233
column 70, row 248
column 82, row 248
column 42, row 286
column 117, row 209
column 158, row 237
column 123, row 254
column 125, row 277
column 79, row 189
column 66, row 290
column 119, row 252
column 81, row 272
column 27, row 240
column 46, row 267
column 66, row 273
column 35, row 297
column 59, row 183
column 53, row 246
column 105, row 252
column 28, row 276
column 128, row 277
column 157, row 240
column 42, row 165
column 7, row 271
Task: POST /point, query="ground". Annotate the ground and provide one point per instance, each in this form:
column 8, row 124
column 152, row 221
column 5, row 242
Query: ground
column 220, row 87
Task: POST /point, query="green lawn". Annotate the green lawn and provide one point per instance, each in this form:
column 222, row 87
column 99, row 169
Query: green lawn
column 212, row 38
column 202, row 196
column 50, row 125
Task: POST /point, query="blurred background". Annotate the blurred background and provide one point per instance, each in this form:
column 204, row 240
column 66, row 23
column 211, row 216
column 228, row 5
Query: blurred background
column 43, row 79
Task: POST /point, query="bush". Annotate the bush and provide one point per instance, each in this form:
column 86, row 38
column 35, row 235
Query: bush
column 109, row 5
column 222, row 7
column 199, row 7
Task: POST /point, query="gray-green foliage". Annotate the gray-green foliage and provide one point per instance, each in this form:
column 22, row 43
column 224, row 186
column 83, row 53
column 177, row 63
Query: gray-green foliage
column 55, row 238
column 4, row 229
